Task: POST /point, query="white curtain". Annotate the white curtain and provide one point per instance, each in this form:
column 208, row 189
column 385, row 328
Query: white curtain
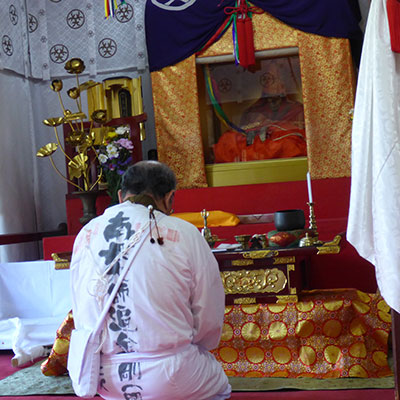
column 374, row 224
column 37, row 38
column 17, row 170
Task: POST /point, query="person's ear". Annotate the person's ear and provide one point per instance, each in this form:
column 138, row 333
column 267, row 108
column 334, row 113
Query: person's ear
column 120, row 199
column 169, row 200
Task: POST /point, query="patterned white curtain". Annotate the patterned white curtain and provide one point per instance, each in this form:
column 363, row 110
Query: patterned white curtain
column 38, row 37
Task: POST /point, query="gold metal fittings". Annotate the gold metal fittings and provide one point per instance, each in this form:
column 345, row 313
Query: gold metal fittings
column 253, row 281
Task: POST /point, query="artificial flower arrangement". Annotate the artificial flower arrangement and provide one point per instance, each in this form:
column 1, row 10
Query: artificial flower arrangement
column 83, row 141
column 108, row 149
column 115, row 157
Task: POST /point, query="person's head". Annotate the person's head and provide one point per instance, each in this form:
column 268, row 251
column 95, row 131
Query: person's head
column 152, row 178
column 274, row 102
column 274, row 91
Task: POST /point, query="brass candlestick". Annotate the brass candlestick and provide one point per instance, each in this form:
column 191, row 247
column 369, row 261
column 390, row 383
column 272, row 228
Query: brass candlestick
column 311, row 238
column 206, row 232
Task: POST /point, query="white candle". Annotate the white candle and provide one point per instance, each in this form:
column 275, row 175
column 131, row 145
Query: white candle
column 310, row 200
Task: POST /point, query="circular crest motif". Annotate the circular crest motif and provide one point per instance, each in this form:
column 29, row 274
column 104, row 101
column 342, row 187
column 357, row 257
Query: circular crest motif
column 59, row 53
column 124, row 13
column 173, row 5
column 107, row 48
column 225, row 85
column 75, row 19
column 13, row 14
column 32, row 23
column 6, row 43
column 267, row 79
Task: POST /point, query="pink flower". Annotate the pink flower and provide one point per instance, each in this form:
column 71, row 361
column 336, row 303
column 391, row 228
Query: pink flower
column 125, row 143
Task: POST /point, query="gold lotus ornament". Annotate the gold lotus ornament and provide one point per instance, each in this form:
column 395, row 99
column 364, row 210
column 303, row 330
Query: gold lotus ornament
column 88, row 141
column 53, row 121
column 99, row 116
column 56, row 85
column 70, row 116
column 77, row 166
column 75, row 66
column 81, row 165
column 76, row 138
column 74, row 93
column 47, row 150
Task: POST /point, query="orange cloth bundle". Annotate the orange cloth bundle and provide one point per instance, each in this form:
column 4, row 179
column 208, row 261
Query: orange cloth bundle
column 215, row 218
column 56, row 363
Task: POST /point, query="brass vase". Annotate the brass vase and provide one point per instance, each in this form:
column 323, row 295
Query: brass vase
column 88, row 200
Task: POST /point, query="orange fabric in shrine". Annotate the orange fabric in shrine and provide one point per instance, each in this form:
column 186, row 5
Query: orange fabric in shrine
column 279, row 143
column 329, row 334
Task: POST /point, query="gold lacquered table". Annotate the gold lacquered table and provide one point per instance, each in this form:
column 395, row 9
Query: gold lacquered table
column 268, row 275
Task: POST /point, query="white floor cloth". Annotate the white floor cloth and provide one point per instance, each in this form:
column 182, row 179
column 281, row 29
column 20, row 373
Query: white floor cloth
column 34, row 300
column 374, row 224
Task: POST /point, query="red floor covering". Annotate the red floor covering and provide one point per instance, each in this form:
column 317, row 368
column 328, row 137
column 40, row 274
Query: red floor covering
column 6, row 369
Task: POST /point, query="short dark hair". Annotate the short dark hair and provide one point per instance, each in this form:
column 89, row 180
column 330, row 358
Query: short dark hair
column 148, row 177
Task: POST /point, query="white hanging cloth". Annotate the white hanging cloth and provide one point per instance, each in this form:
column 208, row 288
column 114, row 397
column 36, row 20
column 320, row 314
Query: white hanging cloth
column 374, row 220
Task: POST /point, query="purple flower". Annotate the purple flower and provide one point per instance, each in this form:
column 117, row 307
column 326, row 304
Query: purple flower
column 127, row 161
column 125, row 143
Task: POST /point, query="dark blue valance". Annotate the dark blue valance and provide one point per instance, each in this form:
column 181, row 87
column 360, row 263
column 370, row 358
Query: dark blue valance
column 176, row 29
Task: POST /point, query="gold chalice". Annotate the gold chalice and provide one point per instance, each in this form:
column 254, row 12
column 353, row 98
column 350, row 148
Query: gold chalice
column 243, row 240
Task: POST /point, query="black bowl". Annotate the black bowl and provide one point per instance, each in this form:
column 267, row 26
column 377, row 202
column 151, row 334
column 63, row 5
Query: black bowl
column 289, row 220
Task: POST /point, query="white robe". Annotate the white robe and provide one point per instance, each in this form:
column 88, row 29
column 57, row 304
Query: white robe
column 168, row 312
column 374, row 216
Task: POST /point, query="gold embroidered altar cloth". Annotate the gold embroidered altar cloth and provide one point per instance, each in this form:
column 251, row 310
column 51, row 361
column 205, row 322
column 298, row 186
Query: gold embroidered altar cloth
column 329, row 334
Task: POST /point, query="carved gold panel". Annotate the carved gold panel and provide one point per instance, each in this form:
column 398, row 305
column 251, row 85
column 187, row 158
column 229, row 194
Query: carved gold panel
column 284, row 260
column 60, row 263
column 253, row 281
column 260, row 254
column 242, row 262
column 332, row 247
column 287, row 299
column 291, row 267
column 245, row 300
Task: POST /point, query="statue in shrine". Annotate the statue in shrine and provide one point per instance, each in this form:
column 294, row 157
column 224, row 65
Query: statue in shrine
column 273, row 127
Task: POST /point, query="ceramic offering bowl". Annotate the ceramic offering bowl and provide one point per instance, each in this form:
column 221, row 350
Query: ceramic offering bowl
column 289, row 220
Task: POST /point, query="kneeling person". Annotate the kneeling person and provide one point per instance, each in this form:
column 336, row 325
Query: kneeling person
column 169, row 309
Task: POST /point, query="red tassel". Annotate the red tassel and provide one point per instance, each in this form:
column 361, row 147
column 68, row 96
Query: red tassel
column 242, row 43
column 248, row 24
column 393, row 10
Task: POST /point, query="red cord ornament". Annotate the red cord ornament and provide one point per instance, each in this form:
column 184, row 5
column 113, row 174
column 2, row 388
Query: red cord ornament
column 393, row 11
column 244, row 31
